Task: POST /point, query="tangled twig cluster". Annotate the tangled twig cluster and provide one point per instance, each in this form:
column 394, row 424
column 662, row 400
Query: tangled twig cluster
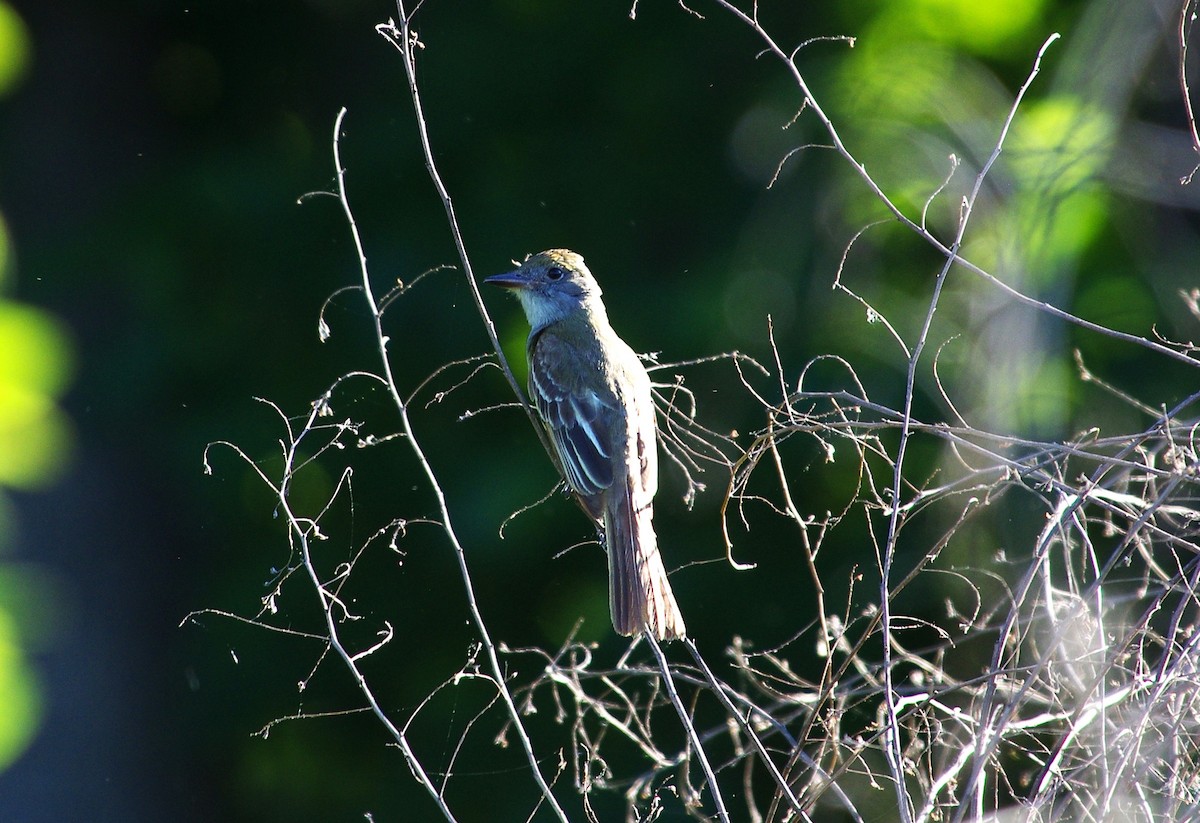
column 1056, row 677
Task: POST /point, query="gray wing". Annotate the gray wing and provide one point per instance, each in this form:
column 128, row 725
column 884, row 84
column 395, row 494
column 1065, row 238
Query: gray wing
column 579, row 420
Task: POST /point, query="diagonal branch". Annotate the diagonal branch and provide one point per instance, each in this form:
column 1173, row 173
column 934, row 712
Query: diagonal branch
column 447, row 523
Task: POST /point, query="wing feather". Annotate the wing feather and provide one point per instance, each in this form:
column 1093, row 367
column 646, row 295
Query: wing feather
column 579, row 419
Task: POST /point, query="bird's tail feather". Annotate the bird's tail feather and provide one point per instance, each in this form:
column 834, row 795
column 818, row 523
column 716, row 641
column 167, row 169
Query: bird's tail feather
column 639, row 592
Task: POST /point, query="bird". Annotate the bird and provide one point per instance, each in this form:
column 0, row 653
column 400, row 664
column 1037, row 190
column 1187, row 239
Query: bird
column 594, row 398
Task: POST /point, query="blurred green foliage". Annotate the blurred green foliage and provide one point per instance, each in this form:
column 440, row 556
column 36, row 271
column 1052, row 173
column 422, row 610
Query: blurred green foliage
column 20, row 693
column 34, row 372
column 14, row 48
column 36, row 362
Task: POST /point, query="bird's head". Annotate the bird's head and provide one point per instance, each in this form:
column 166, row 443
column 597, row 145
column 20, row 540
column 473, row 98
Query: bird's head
column 552, row 285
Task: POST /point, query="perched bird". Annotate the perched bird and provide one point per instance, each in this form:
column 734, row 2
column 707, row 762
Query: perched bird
column 593, row 396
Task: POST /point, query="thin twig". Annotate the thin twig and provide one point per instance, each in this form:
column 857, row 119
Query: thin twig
column 697, row 746
column 435, row 486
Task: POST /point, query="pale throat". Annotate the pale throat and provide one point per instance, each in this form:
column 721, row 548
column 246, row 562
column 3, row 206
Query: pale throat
column 542, row 310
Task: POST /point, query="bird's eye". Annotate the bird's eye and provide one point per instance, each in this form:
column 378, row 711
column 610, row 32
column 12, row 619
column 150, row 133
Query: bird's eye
column 555, row 273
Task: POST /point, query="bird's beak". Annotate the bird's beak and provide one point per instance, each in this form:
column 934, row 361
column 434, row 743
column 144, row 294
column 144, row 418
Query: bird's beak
column 509, row 280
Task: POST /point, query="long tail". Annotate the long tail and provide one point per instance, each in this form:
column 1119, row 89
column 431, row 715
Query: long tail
column 640, row 595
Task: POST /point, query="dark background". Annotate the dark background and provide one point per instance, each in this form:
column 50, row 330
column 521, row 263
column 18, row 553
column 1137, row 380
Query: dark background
column 153, row 155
